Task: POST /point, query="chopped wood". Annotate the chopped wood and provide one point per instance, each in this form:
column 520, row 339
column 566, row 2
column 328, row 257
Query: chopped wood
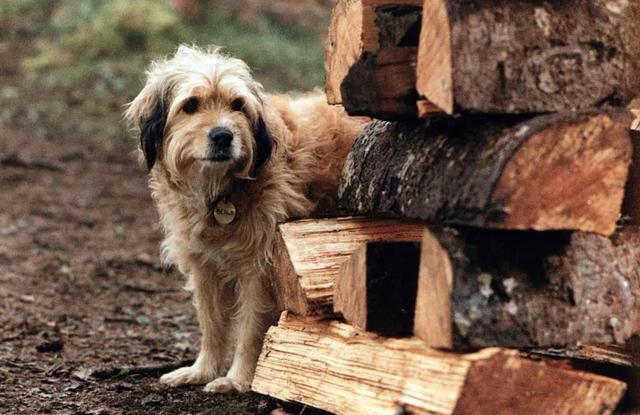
column 335, row 367
column 498, row 56
column 609, row 354
column 432, row 318
column 376, row 287
column 308, row 255
column 382, row 84
column 533, row 289
column 561, row 171
column 371, row 54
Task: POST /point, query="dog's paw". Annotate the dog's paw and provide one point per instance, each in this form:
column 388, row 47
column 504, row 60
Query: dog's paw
column 224, row 385
column 190, row 375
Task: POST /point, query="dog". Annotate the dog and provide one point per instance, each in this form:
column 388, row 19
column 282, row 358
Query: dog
column 227, row 163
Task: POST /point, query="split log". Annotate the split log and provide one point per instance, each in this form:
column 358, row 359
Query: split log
column 496, row 56
column 532, row 289
column 613, row 355
column 376, row 287
column 308, row 255
column 332, row 366
column 371, row 57
column 561, row 171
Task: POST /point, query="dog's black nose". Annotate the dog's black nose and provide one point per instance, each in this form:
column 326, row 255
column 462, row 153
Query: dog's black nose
column 221, row 136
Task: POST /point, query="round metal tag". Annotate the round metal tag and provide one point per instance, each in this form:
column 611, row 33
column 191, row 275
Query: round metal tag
column 224, row 212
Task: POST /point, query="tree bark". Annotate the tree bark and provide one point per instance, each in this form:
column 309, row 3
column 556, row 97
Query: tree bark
column 332, row 366
column 531, row 289
column 496, row 56
column 562, row 171
column 371, row 56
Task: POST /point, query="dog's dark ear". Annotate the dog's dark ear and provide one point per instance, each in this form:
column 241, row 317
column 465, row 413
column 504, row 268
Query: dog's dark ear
column 264, row 146
column 151, row 133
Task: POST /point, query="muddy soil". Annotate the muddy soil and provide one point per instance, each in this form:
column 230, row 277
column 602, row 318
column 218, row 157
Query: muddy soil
column 81, row 288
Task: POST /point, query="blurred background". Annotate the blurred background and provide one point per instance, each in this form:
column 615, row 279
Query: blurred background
column 68, row 66
column 83, row 298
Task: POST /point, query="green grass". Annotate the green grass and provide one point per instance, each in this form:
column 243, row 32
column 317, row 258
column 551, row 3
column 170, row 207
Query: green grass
column 79, row 61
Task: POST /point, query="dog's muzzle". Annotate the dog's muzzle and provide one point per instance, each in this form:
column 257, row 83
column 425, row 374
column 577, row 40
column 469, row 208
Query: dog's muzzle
column 220, row 139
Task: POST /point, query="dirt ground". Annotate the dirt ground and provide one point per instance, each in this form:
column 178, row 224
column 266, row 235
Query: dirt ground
column 81, row 289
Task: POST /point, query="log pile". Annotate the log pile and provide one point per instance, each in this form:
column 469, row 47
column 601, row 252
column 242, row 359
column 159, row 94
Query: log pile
column 492, row 265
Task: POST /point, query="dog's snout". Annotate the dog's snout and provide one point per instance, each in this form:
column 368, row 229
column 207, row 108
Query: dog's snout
column 221, row 136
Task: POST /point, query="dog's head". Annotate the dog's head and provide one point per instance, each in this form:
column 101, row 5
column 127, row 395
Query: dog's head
column 200, row 116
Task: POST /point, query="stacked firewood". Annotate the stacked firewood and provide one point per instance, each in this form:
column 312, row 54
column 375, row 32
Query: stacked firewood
column 496, row 215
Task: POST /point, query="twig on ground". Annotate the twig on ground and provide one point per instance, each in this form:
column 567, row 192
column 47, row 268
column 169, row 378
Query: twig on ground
column 151, row 370
column 146, row 290
column 14, row 161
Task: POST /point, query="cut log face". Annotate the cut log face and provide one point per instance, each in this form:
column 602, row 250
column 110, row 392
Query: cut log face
column 530, row 289
column 371, row 55
column 382, row 84
column 332, row 366
column 376, row 287
column 495, row 56
column 562, row 171
column 433, row 318
column 309, row 254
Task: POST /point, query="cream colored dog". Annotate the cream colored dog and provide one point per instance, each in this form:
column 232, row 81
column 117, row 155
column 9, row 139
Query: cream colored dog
column 227, row 163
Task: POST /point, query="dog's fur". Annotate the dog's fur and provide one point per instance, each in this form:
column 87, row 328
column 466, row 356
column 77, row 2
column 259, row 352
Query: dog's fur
column 285, row 157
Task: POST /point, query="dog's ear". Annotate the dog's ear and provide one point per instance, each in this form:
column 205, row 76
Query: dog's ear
column 148, row 112
column 152, row 132
column 264, row 146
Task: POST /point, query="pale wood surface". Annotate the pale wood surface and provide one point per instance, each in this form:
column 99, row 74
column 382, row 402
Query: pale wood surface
column 433, row 318
column 376, row 287
column 316, row 249
column 350, row 289
column 335, row 367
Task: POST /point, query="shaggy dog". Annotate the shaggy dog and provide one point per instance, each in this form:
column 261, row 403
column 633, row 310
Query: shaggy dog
column 227, row 164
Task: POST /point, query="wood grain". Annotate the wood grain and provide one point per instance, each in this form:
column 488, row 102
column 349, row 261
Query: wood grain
column 332, row 366
column 376, row 287
column 310, row 253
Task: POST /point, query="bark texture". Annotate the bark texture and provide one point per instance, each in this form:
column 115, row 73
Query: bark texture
column 497, row 56
column 562, row 171
column 529, row 289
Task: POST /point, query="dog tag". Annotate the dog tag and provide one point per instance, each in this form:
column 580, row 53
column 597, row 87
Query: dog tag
column 224, row 212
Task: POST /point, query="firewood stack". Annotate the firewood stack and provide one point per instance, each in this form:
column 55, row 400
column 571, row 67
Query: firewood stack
column 491, row 266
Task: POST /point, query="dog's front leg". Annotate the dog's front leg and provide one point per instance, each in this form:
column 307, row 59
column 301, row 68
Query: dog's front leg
column 209, row 300
column 255, row 311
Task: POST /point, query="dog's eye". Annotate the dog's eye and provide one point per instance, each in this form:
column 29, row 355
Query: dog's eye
column 191, row 105
column 237, row 104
